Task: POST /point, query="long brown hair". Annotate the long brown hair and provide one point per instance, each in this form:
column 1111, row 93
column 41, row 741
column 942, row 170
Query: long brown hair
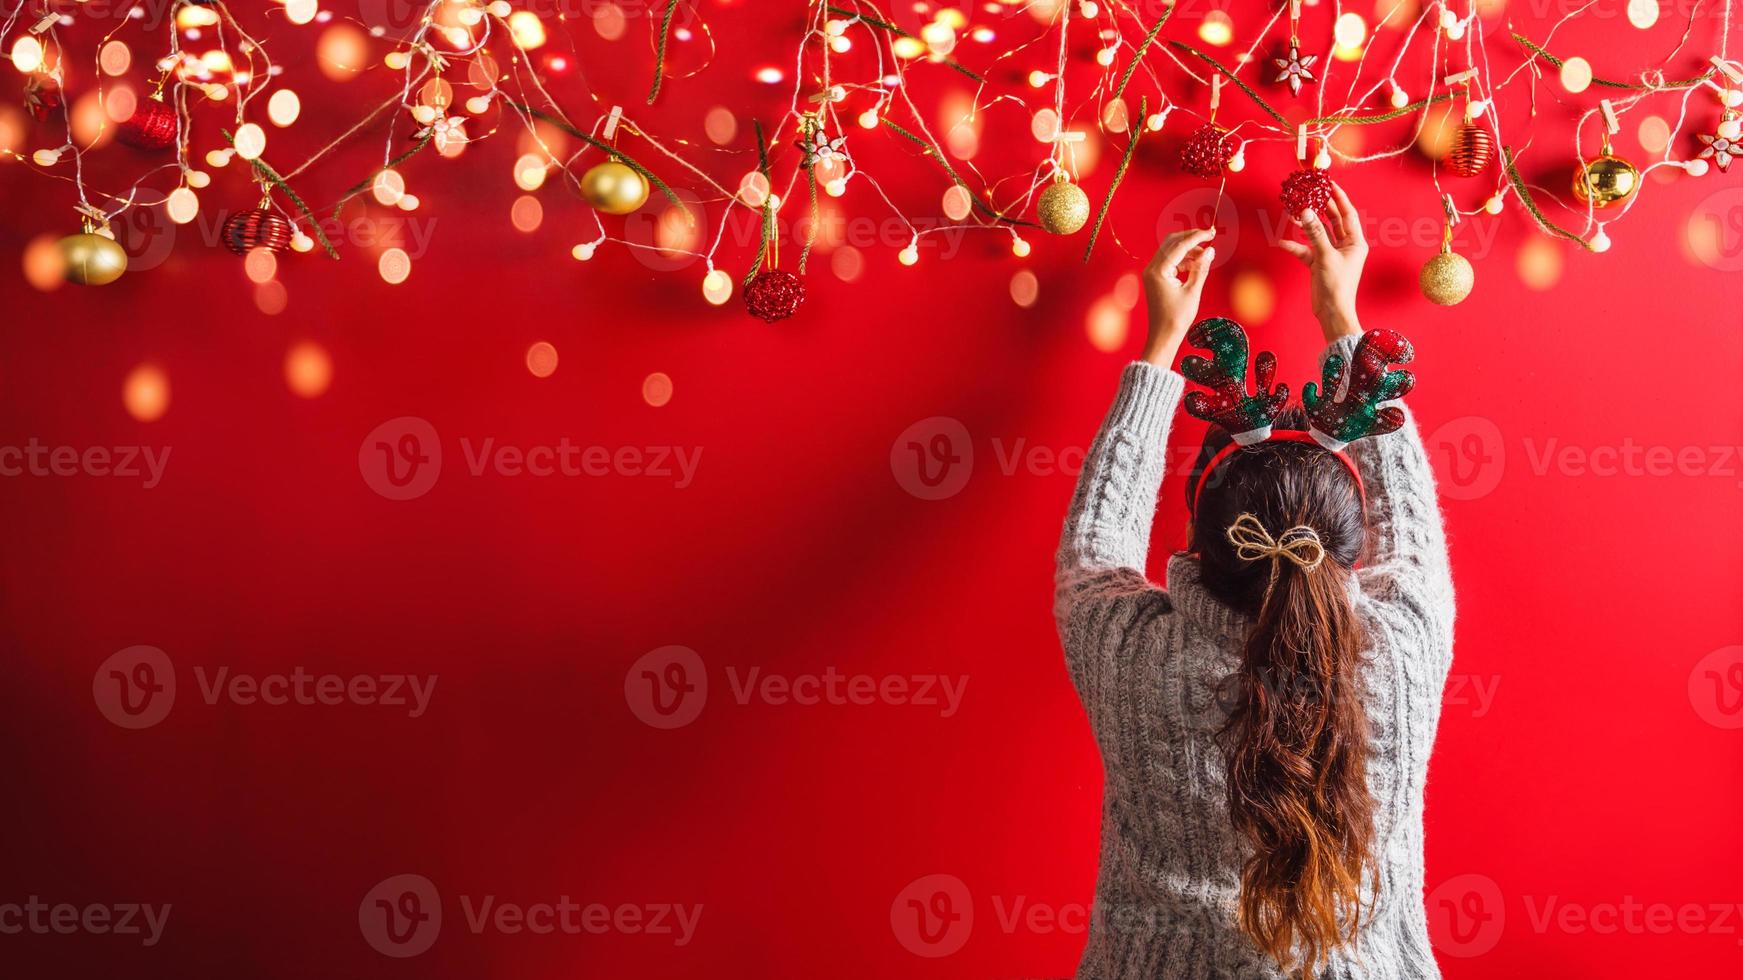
column 1296, row 736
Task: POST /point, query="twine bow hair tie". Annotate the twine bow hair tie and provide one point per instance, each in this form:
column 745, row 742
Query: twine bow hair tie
column 1299, row 544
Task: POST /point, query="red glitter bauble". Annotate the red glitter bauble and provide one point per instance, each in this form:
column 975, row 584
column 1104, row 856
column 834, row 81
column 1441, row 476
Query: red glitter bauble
column 151, row 127
column 774, row 294
column 1309, row 187
column 1208, row 151
column 248, row 230
column 42, row 94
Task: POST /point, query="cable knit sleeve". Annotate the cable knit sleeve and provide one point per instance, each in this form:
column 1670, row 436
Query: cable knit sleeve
column 1406, row 571
column 1107, row 532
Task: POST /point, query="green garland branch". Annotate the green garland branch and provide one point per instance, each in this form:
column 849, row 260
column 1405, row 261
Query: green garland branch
column 1539, row 51
column 1530, row 203
column 898, row 32
column 660, row 50
column 928, row 149
column 1361, row 119
column 768, row 216
column 1138, row 55
column 811, row 231
column 265, row 170
column 1125, row 161
column 1231, row 76
column 606, row 148
column 364, row 184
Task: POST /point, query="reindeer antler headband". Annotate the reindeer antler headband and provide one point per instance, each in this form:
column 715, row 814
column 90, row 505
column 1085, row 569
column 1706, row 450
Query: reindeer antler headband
column 1333, row 422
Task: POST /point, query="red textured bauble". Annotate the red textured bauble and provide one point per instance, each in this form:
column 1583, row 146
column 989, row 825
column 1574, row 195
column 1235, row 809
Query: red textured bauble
column 42, row 94
column 1208, row 151
column 1472, row 148
column 1309, row 187
column 774, row 294
column 255, row 228
column 151, row 127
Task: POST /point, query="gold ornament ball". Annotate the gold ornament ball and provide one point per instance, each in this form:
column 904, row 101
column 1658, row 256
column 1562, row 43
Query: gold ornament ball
column 1447, row 279
column 614, row 188
column 93, row 260
column 1606, row 181
column 1063, row 208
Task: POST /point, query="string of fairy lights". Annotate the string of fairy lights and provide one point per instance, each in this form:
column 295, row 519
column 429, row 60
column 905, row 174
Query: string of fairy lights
column 214, row 95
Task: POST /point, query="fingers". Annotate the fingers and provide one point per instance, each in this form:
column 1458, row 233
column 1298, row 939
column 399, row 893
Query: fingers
column 1200, row 271
column 1317, row 236
column 1296, row 249
column 1175, row 247
column 1347, row 216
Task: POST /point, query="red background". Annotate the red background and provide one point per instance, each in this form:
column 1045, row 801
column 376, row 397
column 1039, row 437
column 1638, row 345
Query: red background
column 1586, row 601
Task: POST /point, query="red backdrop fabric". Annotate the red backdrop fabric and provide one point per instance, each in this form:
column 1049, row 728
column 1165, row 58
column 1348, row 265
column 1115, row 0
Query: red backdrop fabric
column 843, row 526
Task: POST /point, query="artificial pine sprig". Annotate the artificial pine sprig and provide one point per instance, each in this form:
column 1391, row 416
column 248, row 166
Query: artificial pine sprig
column 660, row 51
column 364, row 184
column 927, row 149
column 607, row 148
column 1556, row 63
column 265, row 170
column 1125, row 161
column 768, row 216
column 1138, row 55
column 1530, row 203
column 1231, row 76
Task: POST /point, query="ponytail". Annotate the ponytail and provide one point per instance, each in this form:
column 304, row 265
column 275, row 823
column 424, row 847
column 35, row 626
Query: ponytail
column 1297, row 752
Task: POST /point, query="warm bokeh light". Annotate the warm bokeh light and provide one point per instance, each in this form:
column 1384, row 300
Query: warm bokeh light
column 1025, row 288
column 389, row 187
column 527, row 30
column 271, row 297
column 956, row 202
column 1348, row 34
column 27, row 53
column 720, row 125
column 91, row 126
column 284, row 107
column 1217, row 29
column 529, row 172
column 1252, row 298
column 115, row 58
column 542, row 359
column 1106, row 325
column 300, row 11
column 395, row 266
column 250, row 141
column 716, row 287
column 657, row 389
column 610, row 21
column 44, row 265
column 260, row 265
column 1576, row 74
column 1654, row 134
column 342, row 52
column 847, row 262
column 526, row 214
column 1540, row 262
column 308, row 369
column 145, row 393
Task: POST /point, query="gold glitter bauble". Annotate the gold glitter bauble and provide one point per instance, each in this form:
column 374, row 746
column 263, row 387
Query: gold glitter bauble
column 1606, row 181
column 1447, row 278
column 613, row 187
column 1063, row 208
column 93, row 260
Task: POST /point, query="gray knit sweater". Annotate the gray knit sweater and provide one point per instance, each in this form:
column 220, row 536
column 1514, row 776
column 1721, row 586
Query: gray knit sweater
column 1147, row 661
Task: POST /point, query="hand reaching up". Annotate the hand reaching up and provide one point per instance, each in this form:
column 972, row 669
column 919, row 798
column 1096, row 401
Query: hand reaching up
column 1335, row 254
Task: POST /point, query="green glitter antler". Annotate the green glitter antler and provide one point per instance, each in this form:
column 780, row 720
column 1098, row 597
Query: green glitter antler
column 1247, row 417
column 1336, row 424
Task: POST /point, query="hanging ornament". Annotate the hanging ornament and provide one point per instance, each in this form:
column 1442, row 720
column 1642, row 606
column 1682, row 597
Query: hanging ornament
column 92, row 259
column 1724, row 144
column 1447, row 278
column 42, row 94
column 151, row 127
column 774, row 294
column 1472, row 149
column 1208, row 151
column 614, row 187
column 816, row 145
column 1296, row 68
column 1063, row 207
column 255, row 228
column 1607, row 180
column 1307, row 188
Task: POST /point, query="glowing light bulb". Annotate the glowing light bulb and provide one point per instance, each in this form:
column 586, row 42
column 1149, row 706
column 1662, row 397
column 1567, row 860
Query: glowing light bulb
column 909, row 255
column 1600, row 242
column 1731, row 129
column 1695, row 168
column 716, row 287
column 284, row 107
column 1400, row 98
column 1019, row 248
column 1154, row 123
column 1238, row 162
column 181, row 205
column 302, row 243
column 1475, row 109
column 198, row 178
column 868, row 119
column 27, row 54
column 1576, row 74
column 1038, row 78
column 1322, row 159
column 250, row 141
column 836, row 187
column 1493, row 205
column 584, row 251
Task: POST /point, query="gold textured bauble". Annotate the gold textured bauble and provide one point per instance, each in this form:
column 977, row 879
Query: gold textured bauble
column 615, row 188
column 93, row 260
column 1606, row 181
column 1063, row 208
column 1447, row 278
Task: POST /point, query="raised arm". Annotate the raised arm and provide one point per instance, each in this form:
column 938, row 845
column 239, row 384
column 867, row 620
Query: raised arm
column 1107, row 531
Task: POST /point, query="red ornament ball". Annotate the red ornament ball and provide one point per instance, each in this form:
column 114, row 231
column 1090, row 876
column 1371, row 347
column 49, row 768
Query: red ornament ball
column 774, row 294
column 151, row 127
column 1472, row 148
column 1309, row 187
column 42, row 94
column 1208, row 151
column 255, row 228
